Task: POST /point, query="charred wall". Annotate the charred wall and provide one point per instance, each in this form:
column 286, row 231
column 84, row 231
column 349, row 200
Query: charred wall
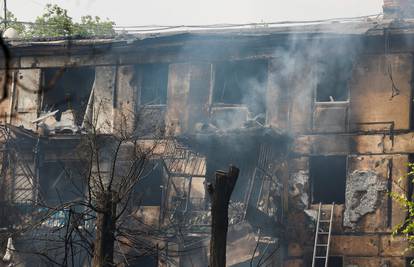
column 366, row 120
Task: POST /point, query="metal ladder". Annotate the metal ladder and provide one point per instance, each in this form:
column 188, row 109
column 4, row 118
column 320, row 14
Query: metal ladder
column 323, row 230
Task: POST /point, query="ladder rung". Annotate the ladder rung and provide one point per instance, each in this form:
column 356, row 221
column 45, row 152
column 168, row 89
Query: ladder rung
column 320, row 257
column 321, row 245
column 324, row 221
column 323, row 233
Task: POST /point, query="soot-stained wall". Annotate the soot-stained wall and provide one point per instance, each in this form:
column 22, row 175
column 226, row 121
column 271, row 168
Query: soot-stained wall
column 379, row 91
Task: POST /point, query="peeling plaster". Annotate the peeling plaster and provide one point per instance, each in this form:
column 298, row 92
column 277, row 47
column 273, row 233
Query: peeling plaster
column 363, row 195
column 298, row 187
column 312, row 214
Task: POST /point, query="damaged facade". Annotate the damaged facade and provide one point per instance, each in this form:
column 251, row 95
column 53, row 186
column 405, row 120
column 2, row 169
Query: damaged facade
column 311, row 114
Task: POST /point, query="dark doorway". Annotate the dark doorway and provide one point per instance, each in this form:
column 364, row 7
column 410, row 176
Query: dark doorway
column 328, row 179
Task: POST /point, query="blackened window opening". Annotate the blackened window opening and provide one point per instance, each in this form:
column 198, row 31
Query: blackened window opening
column 328, row 179
column 147, row 192
column 60, row 183
column 333, row 261
column 241, row 82
column 67, row 89
column 333, row 80
column 154, row 84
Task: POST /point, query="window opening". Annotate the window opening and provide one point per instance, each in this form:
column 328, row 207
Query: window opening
column 241, row 82
column 154, row 84
column 67, row 89
column 333, row 80
column 328, row 179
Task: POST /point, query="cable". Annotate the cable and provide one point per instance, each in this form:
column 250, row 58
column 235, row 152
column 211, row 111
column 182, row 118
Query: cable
column 155, row 28
column 231, row 25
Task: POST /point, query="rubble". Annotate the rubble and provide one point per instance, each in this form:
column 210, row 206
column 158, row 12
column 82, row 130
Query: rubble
column 49, row 125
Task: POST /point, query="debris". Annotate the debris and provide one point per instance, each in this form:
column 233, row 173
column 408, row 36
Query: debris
column 49, row 125
column 236, row 213
column 9, row 250
column 45, row 116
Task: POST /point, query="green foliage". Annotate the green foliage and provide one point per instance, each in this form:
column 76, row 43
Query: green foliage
column 55, row 22
column 406, row 227
column 90, row 26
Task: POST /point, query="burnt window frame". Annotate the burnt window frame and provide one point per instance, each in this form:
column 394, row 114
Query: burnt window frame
column 141, row 69
column 222, row 64
column 45, row 88
column 312, row 180
column 346, row 86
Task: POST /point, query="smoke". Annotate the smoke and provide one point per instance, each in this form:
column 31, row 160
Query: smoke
column 313, row 68
column 302, row 69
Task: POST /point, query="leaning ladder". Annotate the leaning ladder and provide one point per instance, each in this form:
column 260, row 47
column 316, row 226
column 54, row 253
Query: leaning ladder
column 322, row 237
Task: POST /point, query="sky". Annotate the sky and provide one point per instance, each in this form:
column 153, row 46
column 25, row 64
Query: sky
column 189, row 12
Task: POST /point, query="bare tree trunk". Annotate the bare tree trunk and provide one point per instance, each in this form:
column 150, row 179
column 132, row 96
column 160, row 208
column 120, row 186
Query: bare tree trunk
column 103, row 254
column 220, row 194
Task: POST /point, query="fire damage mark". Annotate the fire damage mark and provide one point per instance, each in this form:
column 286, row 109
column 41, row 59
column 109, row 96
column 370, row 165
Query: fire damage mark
column 363, row 195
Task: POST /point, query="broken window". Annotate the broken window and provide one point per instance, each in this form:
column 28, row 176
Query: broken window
column 241, row 82
column 154, row 84
column 328, row 179
column 333, row 80
column 67, row 90
column 333, row 261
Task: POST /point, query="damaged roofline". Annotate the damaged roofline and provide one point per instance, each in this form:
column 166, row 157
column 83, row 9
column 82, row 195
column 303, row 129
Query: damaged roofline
column 271, row 35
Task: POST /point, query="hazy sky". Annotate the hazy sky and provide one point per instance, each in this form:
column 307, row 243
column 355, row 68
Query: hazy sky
column 178, row 12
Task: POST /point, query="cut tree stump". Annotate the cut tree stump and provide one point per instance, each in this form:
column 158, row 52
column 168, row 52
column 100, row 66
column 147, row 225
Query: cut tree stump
column 220, row 193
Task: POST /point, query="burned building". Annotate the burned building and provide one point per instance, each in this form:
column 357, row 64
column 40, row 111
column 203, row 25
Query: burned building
column 319, row 118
